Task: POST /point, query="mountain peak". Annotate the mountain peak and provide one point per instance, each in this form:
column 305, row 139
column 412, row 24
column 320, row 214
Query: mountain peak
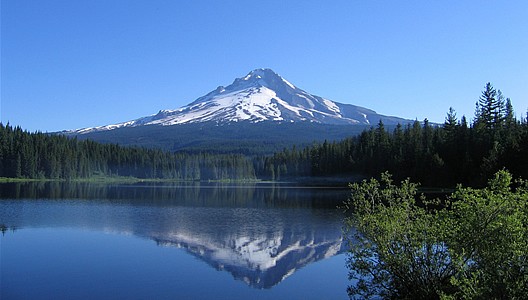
column 262, row 73
column 261, row 95
column 263, row 77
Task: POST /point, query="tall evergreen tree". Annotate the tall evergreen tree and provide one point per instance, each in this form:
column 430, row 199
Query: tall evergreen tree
column 450, row 120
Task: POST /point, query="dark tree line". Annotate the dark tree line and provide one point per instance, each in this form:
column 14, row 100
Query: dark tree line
column 455, row 152
column 39, row 155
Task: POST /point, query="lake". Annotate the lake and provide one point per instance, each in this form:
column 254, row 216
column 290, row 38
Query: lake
column 171, row 241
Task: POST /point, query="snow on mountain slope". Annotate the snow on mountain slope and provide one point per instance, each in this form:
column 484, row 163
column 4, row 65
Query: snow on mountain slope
column 262, row 95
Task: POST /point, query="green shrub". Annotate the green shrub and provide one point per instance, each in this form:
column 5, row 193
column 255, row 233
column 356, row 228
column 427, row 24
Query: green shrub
column 472, row 245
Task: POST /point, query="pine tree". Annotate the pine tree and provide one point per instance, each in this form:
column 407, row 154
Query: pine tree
column 509, row 118
column 450, row 120
column 488, row 114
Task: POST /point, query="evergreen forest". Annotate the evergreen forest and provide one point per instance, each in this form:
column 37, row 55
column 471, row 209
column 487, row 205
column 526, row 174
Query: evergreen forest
column 457, row 151
column 39, row 155
column 435, row 155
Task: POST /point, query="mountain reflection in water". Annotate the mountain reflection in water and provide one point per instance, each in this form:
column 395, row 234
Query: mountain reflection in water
column 260, row 233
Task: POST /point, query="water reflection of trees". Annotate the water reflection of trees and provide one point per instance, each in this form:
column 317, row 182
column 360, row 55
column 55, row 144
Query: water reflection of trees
column 4, row 228
column 185, row 194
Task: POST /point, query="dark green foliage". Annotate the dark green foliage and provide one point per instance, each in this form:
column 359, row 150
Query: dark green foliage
column 434, row 155
column 38, row 155
column 473, row 245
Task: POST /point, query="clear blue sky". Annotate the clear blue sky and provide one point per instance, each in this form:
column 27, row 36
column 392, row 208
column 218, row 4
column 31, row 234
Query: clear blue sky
column 78, row 63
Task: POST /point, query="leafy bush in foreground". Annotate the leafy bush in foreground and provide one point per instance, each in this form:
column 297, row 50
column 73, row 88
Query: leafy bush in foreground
column 473, row 245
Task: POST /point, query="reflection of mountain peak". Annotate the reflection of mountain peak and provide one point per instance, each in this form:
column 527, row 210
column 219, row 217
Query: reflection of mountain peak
column 261, row 261
column 260, row 234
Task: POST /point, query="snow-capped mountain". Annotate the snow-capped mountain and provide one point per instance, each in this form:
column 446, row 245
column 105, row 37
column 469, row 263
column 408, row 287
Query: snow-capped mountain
column 262, row 95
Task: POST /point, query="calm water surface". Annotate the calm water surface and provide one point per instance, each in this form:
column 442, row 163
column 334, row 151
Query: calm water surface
column 194, row 241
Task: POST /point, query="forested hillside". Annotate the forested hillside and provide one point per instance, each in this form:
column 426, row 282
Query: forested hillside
column 244, row 137
column 457, row 152
column 38, row 155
